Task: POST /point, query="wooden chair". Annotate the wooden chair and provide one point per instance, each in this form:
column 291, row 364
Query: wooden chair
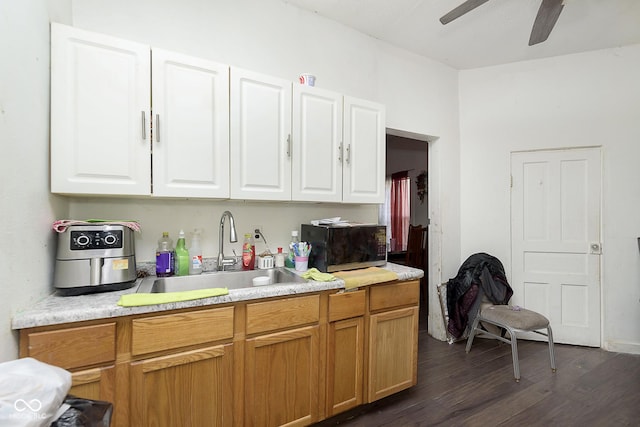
column 415, row 257
column 416, row 246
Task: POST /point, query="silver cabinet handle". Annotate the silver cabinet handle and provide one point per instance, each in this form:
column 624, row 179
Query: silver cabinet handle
column 349, row 153
column 340, row 152
column 156, row 128
column 144, row 126
column 289, row 145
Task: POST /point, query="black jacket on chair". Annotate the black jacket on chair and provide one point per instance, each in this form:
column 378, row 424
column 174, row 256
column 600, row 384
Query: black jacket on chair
column 481, row 274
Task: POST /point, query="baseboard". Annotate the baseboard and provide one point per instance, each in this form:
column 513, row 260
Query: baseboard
column 622, row 347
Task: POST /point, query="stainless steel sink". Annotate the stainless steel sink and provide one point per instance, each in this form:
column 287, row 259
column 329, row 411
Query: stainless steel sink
column 222, row 279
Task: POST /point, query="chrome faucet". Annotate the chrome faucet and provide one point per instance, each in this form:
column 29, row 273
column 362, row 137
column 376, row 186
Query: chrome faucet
column 233, row 237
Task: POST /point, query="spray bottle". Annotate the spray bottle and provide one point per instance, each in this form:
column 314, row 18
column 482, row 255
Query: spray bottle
column 182, row 256
column 195, row 251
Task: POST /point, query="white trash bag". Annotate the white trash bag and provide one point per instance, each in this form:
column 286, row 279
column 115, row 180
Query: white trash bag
column 31, row 392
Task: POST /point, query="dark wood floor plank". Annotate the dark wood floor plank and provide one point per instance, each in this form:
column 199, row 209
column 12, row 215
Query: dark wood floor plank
column 592, row 387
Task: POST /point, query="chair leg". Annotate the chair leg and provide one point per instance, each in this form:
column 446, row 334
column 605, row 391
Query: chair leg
column 472, row 333
column 552, row 356
column 514, row 354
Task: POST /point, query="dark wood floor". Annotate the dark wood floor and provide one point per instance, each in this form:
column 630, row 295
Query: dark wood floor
column 591, row 387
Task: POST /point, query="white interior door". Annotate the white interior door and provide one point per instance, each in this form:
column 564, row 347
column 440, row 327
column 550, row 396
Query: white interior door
column 555, row 239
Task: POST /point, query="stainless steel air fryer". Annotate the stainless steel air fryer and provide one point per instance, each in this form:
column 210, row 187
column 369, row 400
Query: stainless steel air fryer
column 95, row 258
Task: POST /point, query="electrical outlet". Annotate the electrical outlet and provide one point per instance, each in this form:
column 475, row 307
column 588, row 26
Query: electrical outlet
column 257, row 230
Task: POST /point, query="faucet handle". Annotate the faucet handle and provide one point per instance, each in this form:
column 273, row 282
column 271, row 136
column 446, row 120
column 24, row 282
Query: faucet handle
column 228, row 262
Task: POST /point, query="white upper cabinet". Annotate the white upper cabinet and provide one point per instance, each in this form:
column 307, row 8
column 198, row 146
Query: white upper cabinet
column 316, row 145
column 102, row 90
column 260, row 136
column 127, row 119
column 100, row 106
column 364, row 151
column 190, row 126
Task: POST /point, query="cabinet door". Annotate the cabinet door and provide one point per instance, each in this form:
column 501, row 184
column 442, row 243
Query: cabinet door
column 345, row 365
column 260, row 136
column 393, row 352
column 364, row 151
column 100, row 106
column 192, row 388
column 281, row 374
column 96, row 384
column 191, row 126
column 316, row 145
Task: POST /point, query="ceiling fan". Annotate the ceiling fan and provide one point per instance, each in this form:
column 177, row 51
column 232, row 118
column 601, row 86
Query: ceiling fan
column 545, row 20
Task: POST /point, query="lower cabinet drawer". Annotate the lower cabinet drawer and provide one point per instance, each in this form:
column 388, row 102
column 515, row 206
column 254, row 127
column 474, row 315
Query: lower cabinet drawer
column 180, row 330
column 74, row 347
column 383, row 297
column 345, row 305
column 284, row 313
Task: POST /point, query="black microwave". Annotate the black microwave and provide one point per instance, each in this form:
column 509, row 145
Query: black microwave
column 345, row 246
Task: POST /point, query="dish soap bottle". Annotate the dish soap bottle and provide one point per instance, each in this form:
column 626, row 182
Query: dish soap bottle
column 165, row 256
column 182, row 256
column 289, row 262
column 279, row 258
column 195, row 267
column 248, row 253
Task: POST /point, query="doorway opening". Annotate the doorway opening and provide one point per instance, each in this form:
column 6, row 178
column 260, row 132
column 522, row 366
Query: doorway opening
column 406, row 203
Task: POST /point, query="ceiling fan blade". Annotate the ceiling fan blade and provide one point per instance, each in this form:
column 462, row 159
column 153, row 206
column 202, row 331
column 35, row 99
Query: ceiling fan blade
column 545, row 20
column 465, row 7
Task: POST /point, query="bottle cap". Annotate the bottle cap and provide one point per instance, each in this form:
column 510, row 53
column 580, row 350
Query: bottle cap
column 279, row 250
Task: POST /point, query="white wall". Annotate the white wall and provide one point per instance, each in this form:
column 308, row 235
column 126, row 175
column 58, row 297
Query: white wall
column 276, row 219
column 274, row 38
column 267, row 36
column 27, row 209
column 422, row 97
column 589, row 99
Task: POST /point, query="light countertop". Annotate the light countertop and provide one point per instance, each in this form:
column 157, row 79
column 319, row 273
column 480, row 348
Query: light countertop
column 56, row 309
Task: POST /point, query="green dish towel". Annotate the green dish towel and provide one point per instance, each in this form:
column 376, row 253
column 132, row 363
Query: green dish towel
column 135, row 300
column 318, row 276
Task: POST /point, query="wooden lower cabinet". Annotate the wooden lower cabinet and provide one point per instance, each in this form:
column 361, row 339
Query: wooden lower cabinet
column 190, row 388
column 345, row 351
column 95, row 383
column 284, row 361
column 345, row 365
column 393, row 352
column 281, row 378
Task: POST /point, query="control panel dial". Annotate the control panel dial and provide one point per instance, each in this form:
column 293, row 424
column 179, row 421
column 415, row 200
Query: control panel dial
column 85, row 240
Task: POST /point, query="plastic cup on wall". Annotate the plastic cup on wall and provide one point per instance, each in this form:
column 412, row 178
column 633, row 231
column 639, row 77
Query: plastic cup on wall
column 307, row 79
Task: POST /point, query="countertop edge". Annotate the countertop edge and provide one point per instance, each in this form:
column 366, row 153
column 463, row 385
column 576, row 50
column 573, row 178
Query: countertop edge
column 55, row 309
